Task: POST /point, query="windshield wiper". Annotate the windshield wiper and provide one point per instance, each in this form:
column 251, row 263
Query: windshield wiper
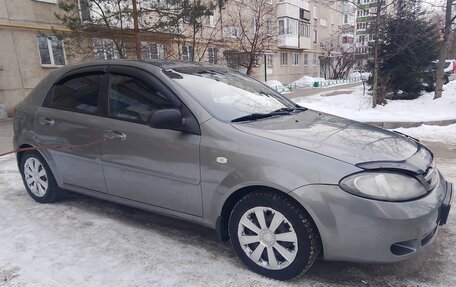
column 257, row 116
column 296, row 109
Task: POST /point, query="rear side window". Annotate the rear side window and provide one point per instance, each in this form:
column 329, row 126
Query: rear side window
column 132, row 99
column 78, row 93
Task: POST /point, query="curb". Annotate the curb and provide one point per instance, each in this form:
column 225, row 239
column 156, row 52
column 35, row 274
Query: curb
column 395, row 125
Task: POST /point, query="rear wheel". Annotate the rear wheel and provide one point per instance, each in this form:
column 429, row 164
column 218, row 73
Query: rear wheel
column 38, row 178
column 273, row 235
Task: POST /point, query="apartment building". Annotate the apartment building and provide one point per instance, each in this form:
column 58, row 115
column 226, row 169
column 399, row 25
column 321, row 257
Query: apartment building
column 303, row 26
column 31, row 45
column 28, row 51
column 348, row 26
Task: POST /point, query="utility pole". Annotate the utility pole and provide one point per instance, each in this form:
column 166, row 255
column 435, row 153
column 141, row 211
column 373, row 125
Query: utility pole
column 375, row 94
column 136, row 30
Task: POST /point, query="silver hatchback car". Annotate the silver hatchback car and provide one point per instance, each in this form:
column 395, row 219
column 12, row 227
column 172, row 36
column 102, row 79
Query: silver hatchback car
column 209, row 145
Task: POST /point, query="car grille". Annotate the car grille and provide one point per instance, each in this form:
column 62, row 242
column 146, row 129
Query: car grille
column 431, row 176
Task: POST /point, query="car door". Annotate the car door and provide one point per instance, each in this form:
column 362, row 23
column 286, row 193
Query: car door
column 159, row 167
column 70, row 117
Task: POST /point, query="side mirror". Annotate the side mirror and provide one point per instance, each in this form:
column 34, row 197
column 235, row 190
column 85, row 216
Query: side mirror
column 170, row 119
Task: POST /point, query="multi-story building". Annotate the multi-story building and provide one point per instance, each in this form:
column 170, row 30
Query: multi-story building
column 302, row 27
column 348, row 26
column 31, row 45
column 28, row 51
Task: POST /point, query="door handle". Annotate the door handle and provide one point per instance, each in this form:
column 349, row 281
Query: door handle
column 46, row 121
column 114, row 135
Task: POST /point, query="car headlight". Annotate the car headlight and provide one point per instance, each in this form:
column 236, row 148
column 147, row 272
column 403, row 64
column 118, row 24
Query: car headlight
column 383, row 186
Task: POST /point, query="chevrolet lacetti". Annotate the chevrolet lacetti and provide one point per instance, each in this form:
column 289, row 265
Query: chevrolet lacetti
column 207, row 144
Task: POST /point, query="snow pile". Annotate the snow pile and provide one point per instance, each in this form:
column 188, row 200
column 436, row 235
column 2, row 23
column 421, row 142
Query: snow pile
column 307, row 81
column 278, row 86
column 446, row 134
column 363, row 75
column 358, row 107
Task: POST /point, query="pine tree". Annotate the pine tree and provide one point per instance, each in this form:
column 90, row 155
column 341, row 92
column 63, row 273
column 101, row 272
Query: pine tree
column 409, row 45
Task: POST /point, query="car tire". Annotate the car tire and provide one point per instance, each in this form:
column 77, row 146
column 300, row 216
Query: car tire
column 38, row 178
column 293, row 243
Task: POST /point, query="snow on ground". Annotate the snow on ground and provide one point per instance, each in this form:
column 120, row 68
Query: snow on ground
column 82, row 241
column 278, row 86
column 446, row 134
column 358, row 107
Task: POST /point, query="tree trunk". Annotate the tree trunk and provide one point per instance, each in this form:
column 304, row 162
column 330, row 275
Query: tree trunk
column 443, row 51
column 136, row 31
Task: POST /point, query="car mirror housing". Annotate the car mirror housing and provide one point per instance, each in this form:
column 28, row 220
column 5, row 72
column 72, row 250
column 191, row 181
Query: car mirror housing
column 170, row 119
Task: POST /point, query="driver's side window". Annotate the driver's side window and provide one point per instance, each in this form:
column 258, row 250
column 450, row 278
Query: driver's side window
column 131, row 99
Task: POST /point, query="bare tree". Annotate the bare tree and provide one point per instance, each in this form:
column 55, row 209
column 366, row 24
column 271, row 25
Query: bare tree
column 118, row 22
column 335, row 62
column 250, row 25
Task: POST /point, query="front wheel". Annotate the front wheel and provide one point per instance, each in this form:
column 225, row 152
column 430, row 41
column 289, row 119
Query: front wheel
column 273, row 235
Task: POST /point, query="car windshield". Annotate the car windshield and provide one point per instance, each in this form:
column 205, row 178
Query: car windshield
column 227, row 94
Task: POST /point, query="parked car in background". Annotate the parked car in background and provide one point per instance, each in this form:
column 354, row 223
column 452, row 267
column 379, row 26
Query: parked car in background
column 207, row 144
column 430, row 77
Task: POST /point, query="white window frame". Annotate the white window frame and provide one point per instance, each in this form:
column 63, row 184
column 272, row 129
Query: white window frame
column 296, row 59
column 269, row 60
column 146, row 49
column 269, row 28
column 306, row 59
column 104, row 44
column 282, row 58
column 214, row 58
column 188, row 54
column 314, row 59
column 210, row 20
column 323, row 22
column 51, row 52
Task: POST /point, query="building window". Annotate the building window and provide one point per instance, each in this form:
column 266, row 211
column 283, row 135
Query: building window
column 284, row 58
column 288, row 26
column 281, row 27
column 213, row 55
column 269, row 1
column 51, row 51
column 232, row 31
column 345, row 19
column 152, row 51
column 315, row 36
column 315, row 10
column 104, row 49
column 323, row 22
column 210, row 20
column 314, row 59
column 269, row 60
column 187, row 53
column 269, row 28
column 295, row 59
column 306, row 59
column 304, row 29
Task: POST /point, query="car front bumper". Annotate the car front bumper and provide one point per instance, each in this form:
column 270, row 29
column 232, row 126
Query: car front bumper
column 357, row 229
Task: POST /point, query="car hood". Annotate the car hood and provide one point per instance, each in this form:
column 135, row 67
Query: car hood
column 346, row 140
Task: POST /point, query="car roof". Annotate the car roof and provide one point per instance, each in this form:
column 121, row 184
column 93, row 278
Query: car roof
column 162, row 64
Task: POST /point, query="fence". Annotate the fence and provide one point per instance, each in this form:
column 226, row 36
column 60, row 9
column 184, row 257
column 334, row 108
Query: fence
column 317, row 84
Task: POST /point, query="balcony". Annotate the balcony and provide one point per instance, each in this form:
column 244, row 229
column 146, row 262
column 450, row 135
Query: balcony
column 293, row 42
